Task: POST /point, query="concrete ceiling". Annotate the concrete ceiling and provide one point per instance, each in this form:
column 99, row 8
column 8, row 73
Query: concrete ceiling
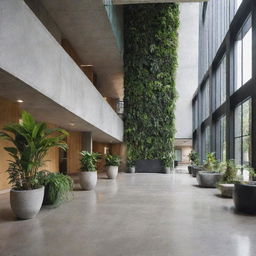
column 44, row 109
column 86, row 25
column 120, row 2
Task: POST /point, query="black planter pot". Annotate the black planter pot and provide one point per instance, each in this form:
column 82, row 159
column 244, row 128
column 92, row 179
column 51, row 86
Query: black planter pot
column 245, row 198
column 190, row 169
column 195, row 170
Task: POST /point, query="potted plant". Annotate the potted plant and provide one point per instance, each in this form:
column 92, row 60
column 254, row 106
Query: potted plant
column 195, row 164
column 31, row 141
column 244, row 195
column 211, row 175
column 112, row 163
column 194, row 160
column 228, row 179
column 131, row 166
column 167, row 163
column 88, row 174
column 58, row 187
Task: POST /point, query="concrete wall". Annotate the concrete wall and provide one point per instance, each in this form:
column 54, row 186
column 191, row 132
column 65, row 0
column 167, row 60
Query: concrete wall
column 29, row 52
column 187, row 72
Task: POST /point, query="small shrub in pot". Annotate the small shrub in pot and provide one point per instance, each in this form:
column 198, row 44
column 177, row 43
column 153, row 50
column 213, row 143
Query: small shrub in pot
column 212, row 173
column 112, row 164
column 58, row 188
column 88, row 171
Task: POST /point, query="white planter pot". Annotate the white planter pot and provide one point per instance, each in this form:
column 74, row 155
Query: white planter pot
column 167, row 170
column 131, row 169
column 88, row 180
column 226, row 190
column 112, row 172
column 26, row 203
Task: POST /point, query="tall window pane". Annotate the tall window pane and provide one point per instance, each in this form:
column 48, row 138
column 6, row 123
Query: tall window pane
column 205, row 101
column 243, row 56
column 206, row 147
column 221, row 139
column 243, row 133
column 219, row 97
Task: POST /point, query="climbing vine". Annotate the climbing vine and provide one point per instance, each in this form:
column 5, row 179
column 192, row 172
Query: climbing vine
column 150, row 61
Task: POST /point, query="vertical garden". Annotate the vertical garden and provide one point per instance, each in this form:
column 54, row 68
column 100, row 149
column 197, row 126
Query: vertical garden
column 150, row 62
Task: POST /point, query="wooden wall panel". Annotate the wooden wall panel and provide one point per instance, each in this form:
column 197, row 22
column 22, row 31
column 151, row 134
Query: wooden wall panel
column 52, row 157
column 100, row 148
column 74, row 142
column 9, row 113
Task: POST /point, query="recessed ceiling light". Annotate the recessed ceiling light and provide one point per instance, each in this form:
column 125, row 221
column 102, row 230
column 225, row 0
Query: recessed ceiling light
column 20, row 101
column 86, row 65
column 71, row 124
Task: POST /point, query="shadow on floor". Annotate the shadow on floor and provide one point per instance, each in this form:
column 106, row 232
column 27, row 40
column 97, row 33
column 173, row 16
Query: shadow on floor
column 7, row 215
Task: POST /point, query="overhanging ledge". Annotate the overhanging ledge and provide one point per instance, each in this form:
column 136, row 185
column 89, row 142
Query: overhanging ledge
column 122, row 2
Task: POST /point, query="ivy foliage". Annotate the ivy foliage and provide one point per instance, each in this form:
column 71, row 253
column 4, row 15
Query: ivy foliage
column 150, row 62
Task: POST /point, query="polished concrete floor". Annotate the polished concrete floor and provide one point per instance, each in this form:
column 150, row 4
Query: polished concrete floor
column 136, row 215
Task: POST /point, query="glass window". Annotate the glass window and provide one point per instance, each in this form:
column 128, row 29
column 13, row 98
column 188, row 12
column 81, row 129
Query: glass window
column 243, row 56
column 238, row 3
column 195, row 114
column 205, row 101
column 219, row 97
column 243, row 133
column 206, row 147
column 221, row 139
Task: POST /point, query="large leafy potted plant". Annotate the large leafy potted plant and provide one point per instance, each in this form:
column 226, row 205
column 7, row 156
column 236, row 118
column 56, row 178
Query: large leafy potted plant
column 167, row 163
column 88, row 174
column 31, row 141
column 228, row 179
column 112, row 163
column 194, row 162
column 58, row 187
column 131, row 166
column 212, row 173
column 244, row 195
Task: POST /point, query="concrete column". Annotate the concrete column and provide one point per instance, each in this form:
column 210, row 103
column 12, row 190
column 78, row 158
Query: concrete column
column 87, row 141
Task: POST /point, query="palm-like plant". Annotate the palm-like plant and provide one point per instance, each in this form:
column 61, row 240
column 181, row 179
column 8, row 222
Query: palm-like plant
column 31, row 141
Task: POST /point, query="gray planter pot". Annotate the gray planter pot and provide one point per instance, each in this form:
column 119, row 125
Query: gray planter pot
column 208, row 179
column 26, row 204
column 112, row 172
column 131, row 169
column 195, row 170
column 88, row 180
column 226, row 190
column 167, row 170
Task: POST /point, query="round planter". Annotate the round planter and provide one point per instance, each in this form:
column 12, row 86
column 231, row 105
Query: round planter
column 208, row 179
column 245, row 198
column 167, row 170
column 88, row 180
column 26, row 203
column 131, row 169
column 190, row 169
column 112, row 172
column 226, row 190
column 195, row 170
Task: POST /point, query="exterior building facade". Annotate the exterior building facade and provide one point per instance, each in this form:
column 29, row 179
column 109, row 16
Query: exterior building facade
column 225, row 101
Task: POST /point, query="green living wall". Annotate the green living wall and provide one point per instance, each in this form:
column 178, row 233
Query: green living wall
column 150, row 62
